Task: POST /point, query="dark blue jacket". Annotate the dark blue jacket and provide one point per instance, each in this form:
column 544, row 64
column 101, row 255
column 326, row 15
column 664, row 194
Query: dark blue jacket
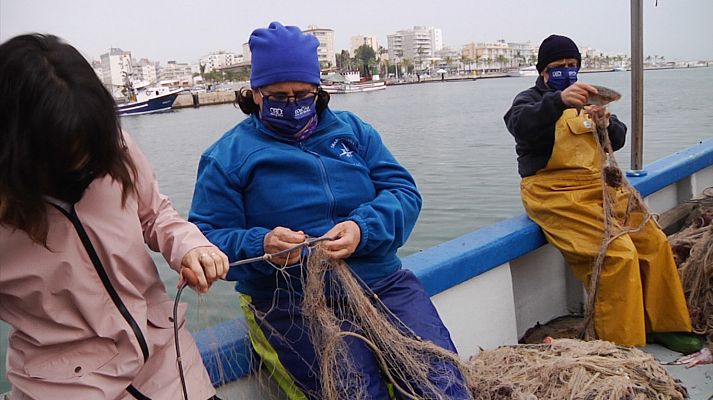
column 253, row 180
column 531, row 120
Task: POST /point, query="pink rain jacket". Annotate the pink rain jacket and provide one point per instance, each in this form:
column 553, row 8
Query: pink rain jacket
column 88, row 329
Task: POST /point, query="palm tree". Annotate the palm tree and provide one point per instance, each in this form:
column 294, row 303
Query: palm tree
column 407, row 64
column 385, row 65
column 465, row 60
column 343, row 60
column 366, row 58
column 202, row 69
column 419, row 51
column 500, row 60
column 398, row 53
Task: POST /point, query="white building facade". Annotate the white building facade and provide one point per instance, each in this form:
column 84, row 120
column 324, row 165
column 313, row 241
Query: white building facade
column 419, row 44
column 500, row 55
column 219, row 59
column 146, row 71
column 327, row 56
column 176, row 74
column 116, row 70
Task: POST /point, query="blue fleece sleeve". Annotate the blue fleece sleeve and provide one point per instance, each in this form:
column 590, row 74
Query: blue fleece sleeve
column 387, row 221
column 217, row 209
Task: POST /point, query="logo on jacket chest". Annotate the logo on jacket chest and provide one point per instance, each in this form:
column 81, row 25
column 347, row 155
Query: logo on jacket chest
column 343, row 147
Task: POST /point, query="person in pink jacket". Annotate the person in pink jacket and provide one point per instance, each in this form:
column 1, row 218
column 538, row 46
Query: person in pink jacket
column 90, row 317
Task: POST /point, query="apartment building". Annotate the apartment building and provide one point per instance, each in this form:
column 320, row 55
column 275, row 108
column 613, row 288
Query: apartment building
column 145, row 70
column 219, row 59
column 500, row 54
column 419, row 44
column 327, row 56
column 176, row 74
column 116, row 69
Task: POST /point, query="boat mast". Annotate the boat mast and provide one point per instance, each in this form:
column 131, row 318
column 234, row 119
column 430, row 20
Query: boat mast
column 637, row 89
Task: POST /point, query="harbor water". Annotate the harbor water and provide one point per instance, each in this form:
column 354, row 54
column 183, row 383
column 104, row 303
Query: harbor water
column 450, row 135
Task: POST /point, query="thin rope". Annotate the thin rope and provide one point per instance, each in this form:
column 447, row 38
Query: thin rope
column 308, row 243
column 611, row 179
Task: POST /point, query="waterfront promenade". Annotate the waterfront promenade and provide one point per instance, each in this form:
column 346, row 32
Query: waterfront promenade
column 187, row 100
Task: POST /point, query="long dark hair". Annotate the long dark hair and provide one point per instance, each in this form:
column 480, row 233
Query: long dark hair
column 247, row 104
column 55, row 117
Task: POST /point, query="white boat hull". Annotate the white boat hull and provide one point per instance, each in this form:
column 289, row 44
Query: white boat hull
column 354, row 87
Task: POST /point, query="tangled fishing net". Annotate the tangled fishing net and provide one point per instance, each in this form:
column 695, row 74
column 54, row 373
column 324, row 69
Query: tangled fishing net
column 410, row 363
column 616, row 222
column 571, row 369
column 560, row 369
column 693, row 251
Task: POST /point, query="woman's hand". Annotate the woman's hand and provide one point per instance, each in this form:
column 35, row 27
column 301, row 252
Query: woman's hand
column 208, row 264
column 346, row 237
column 280, row 239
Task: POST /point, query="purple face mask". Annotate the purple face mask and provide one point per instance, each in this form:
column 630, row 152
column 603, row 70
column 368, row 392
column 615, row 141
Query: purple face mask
column 296, row 119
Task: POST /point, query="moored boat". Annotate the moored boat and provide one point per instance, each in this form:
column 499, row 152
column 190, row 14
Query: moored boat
column 351, row 83
column 352, row 87
column 146, row 100
column 525, row 71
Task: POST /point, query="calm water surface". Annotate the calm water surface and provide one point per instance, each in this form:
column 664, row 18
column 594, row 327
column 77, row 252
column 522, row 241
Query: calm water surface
column 450, row 135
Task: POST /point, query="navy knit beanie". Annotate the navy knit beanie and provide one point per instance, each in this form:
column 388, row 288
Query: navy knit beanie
column 554, row 48
column 283, row 54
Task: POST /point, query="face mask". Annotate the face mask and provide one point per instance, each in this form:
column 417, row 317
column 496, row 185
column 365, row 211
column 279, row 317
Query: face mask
column 70, row 186
column 562, row 77
column 296, row 119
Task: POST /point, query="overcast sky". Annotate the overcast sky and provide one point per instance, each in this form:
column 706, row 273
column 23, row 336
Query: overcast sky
column 185, row 30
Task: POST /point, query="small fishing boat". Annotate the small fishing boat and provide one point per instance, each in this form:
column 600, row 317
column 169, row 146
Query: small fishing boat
column 525, row 71
column 146, row 100
column 352, row 87
column 351, row 83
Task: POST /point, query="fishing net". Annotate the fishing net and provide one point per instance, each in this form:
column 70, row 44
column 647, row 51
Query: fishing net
column 617, row 222
column 410, row 364
column 571, row 369
column 693, row 251
column 559, row 369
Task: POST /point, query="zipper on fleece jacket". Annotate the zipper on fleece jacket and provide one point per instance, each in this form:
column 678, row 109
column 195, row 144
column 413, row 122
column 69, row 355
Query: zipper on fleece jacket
column 325, row 181
column 101, row 271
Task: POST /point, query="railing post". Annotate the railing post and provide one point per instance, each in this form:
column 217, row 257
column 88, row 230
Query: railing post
column 637, row 89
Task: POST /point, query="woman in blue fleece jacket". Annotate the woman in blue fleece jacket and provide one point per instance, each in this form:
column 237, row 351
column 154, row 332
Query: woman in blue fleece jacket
column 295, row 169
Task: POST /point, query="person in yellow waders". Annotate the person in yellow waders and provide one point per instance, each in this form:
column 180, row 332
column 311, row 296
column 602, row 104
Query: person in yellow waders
column 640, row 294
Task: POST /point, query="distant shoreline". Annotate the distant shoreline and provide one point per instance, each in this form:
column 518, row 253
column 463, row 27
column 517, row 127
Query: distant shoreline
column 188, row 100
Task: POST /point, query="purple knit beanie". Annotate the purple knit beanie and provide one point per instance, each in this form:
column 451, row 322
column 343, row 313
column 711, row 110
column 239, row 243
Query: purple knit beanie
column 554, row 48
column 283, row 54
